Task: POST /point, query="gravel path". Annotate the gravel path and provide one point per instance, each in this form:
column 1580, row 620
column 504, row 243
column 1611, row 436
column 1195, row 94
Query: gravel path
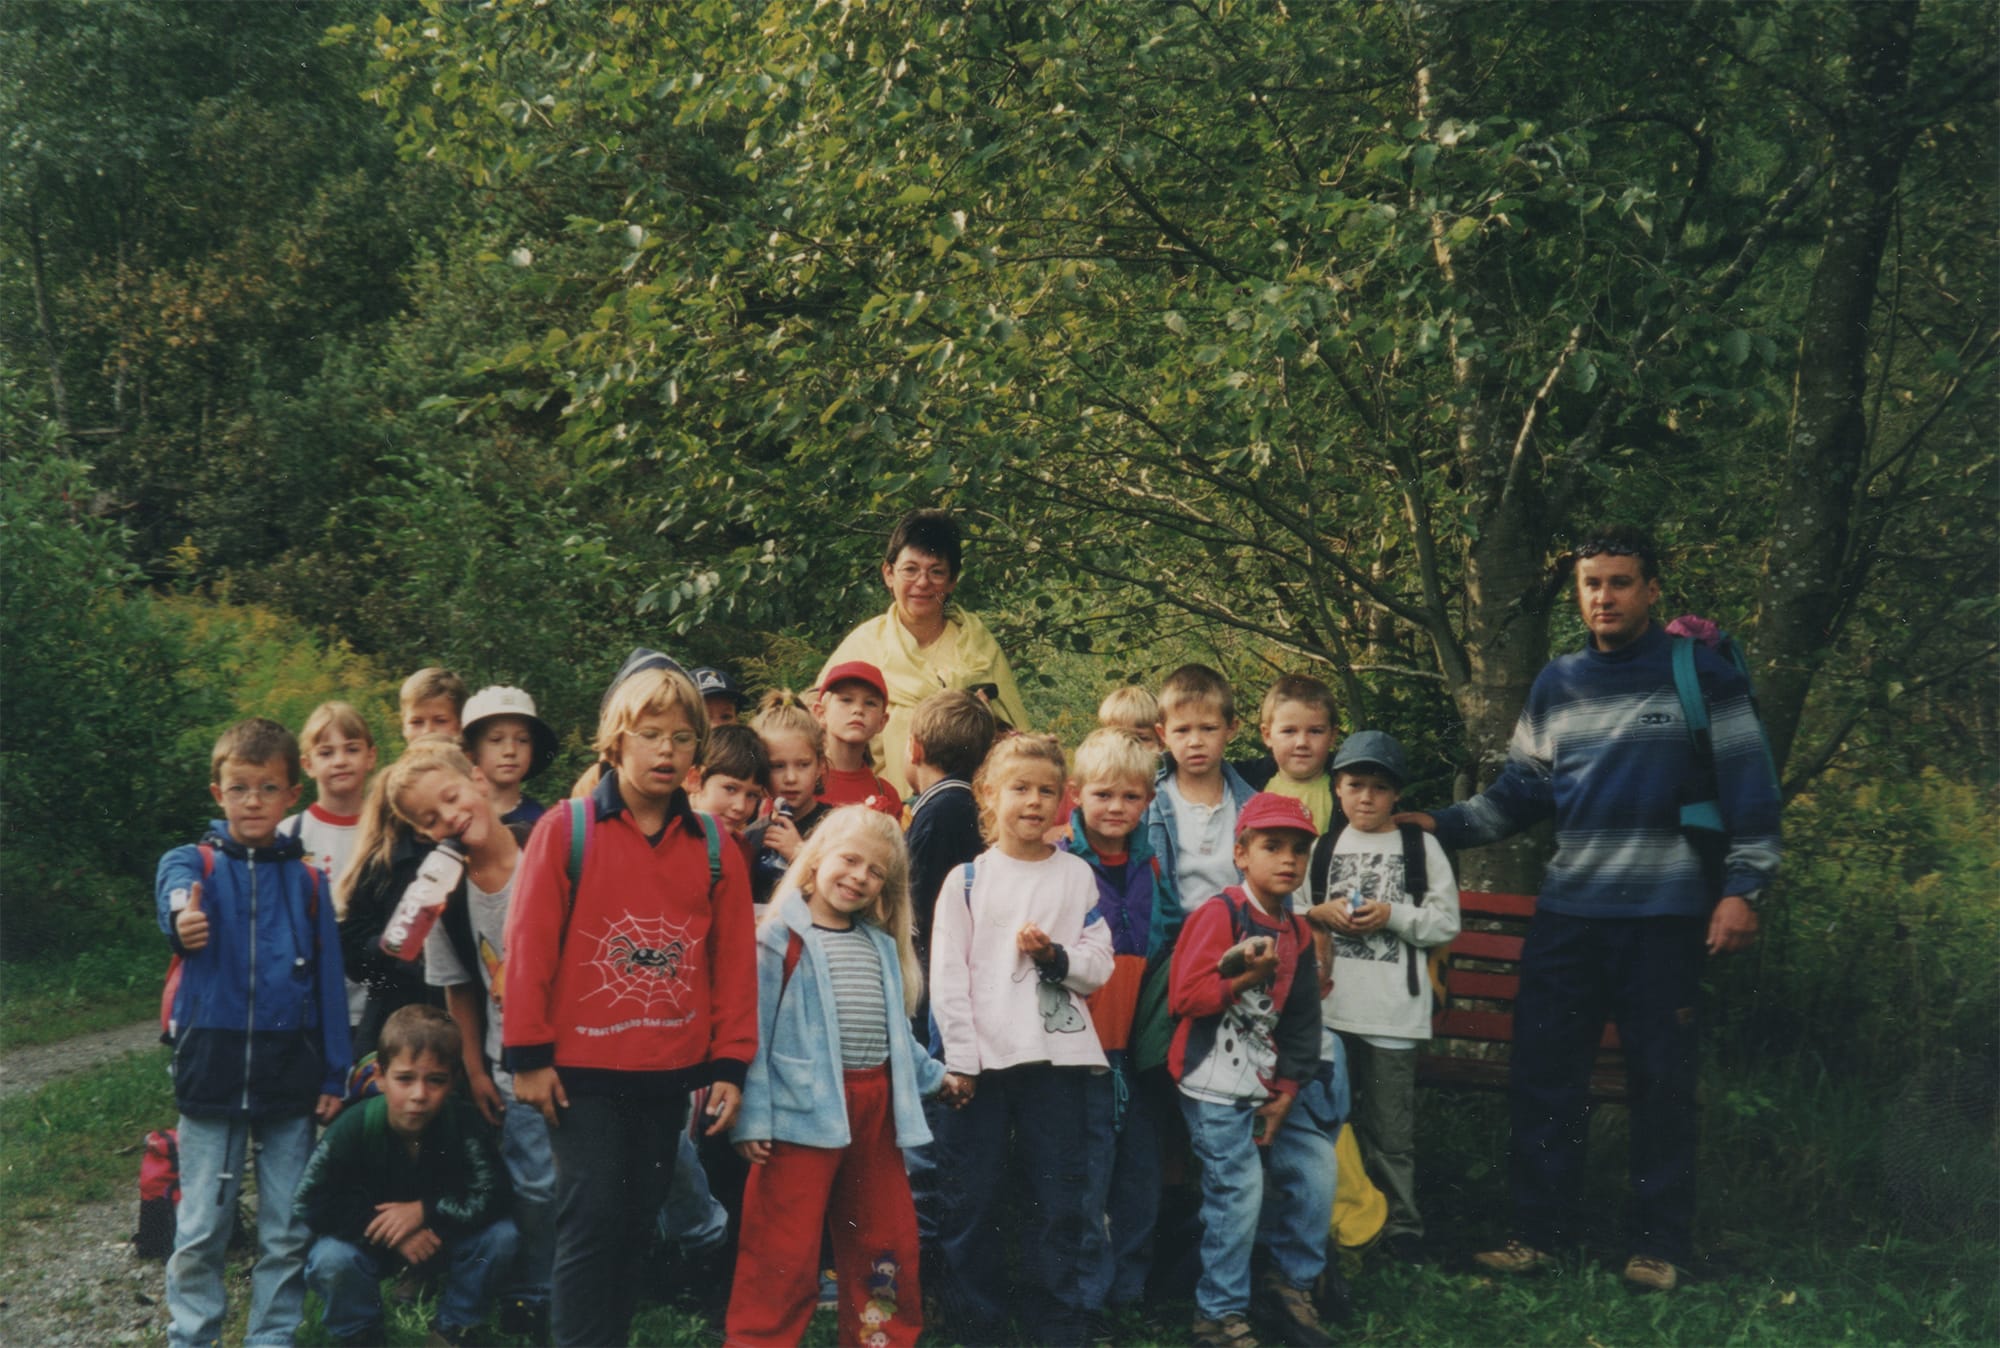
column 72, row 1281
column 31, row 1068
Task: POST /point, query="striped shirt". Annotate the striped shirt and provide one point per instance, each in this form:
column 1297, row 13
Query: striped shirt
column 856, row 972
column 1602, row 747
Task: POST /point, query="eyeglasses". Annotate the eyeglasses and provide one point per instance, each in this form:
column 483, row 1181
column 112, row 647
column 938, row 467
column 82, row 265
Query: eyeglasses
column 910, row 571
column 239, row 793
column 680, row 739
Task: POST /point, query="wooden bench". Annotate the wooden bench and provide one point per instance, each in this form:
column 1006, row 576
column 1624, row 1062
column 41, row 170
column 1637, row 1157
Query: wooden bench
column 1473, row 1035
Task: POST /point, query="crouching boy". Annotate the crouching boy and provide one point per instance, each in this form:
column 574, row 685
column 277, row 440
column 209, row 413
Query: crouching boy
column 1261, row 1100
column 409, row 1177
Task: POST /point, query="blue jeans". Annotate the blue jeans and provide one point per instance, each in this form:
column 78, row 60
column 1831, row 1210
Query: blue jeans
column 1644, row 973
column 1126, row 1195
column 1278, row 1197
column 212, row 1155
column 349, row 1277
column 691, row 1219
column 1049, row 1113
column 531, row 1168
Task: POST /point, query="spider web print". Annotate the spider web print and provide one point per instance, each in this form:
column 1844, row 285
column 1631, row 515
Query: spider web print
column 642, row 960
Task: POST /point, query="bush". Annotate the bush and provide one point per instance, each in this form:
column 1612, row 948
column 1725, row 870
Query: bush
column 91, row 786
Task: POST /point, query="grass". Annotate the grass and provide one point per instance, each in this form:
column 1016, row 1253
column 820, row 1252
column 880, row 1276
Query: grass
column 78, row 1139
column 1801, row 1246
column 101, row 988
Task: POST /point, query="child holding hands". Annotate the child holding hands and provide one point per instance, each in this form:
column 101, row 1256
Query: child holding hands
column 833, row 1094
column 1016, row 948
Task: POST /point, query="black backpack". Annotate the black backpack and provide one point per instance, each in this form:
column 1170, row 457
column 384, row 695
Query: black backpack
column 1416, row 881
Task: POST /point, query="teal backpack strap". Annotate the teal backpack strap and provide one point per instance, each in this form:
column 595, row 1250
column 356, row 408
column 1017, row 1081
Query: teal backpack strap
column 1704, row 814
column 968, row 884
column 579, row 833
column 713, row 836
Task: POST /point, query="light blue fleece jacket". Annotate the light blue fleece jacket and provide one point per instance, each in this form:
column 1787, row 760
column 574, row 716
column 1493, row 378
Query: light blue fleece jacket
column 793, row 1091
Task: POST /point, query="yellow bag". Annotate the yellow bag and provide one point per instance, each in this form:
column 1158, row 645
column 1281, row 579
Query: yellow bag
column 1359, row 1208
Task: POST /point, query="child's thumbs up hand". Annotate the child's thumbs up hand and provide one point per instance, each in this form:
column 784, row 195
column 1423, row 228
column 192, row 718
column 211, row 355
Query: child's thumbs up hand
column 190, row 924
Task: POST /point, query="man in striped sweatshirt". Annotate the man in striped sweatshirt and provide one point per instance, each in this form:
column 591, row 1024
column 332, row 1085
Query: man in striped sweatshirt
column 1627, row 909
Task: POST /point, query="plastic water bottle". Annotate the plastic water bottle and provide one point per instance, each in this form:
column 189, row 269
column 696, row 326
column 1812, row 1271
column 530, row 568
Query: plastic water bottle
column 423, row 901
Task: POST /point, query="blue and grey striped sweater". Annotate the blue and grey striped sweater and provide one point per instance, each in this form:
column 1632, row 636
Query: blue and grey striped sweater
column 1603, row 747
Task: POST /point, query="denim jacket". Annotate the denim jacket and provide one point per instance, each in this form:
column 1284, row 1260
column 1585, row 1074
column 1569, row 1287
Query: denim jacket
column 794, row 1091
column 1163, row 834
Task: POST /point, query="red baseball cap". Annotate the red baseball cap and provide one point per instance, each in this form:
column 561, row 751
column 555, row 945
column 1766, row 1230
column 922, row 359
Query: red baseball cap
column 856, row 671
column 1268, row 809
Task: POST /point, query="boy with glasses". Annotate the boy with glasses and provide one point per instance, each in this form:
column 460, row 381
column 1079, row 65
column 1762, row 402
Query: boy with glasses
column 259, row 1033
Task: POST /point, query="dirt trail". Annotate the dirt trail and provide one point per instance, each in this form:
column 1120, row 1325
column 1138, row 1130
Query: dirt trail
column 31, row 1068
column 71, row 1278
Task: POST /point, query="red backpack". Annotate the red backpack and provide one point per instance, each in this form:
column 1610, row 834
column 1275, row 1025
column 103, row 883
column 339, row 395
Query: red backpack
column 159, row 1193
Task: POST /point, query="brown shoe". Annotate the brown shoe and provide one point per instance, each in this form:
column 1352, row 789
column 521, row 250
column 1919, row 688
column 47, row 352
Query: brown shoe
column 1287, row 1314
column 1231, row 1331
column 1644, row 1273
column 1514, row 1257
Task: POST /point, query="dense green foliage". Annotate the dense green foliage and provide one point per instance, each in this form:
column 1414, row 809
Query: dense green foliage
column 339, row 340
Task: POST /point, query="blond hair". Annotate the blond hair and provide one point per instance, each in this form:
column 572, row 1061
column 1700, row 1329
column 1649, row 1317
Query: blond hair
column 783, row 712
column 890, row 909
column 375, row 843
column 433, row 681
column 335, row 719
column 1116, row 755
column 1013, row 752
column 1298, row 688
column 1129, row 707
column 429, row 753
column 650, row 692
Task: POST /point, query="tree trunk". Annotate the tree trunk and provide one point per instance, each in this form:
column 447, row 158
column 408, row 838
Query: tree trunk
column 1826, row 451
column 45, row 322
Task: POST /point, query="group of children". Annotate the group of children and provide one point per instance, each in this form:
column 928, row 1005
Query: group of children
column 734, row 984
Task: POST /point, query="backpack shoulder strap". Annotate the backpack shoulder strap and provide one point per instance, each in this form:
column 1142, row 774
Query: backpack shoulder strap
column 968, row 884
column 207, row 851
column 712, row 835
column 579, row 836
column 1416, row 865
column 1694, row 706
column 794, row 947
column 1321, row 866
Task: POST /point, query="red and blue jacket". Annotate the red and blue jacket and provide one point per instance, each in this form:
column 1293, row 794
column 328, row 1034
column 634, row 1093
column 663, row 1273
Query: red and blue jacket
column 1138, row 903
column 260, row 1017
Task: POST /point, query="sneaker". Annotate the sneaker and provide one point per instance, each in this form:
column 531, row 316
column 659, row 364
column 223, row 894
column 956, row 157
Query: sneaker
column 1287, row 1314
column 1514, row 1257
column 1644, row 1273
column 1231, row 1331
column 524, row 1319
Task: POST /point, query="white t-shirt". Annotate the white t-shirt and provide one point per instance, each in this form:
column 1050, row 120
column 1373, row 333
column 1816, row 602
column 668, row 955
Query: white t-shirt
column 443, row 969
column 1371, row 988
column 1204, row 846
column 329, row 839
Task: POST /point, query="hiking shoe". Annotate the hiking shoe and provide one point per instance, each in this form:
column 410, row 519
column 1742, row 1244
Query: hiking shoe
column 524, row 1319
column 1231, row 1331
column 1514, row 1257
column 1644, row 1273
column 1287, row 1314
column 1332, row 1297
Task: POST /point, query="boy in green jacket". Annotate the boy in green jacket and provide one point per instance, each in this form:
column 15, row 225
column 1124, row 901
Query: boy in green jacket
column 410, row 1177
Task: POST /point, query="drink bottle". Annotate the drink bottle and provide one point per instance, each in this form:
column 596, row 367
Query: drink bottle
column 423, row 901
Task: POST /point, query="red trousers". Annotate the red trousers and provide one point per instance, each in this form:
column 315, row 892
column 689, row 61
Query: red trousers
column 861, row 1194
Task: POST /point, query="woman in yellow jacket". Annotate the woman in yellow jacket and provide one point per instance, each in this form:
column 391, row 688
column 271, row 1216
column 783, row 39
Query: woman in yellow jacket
column 924, row 643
